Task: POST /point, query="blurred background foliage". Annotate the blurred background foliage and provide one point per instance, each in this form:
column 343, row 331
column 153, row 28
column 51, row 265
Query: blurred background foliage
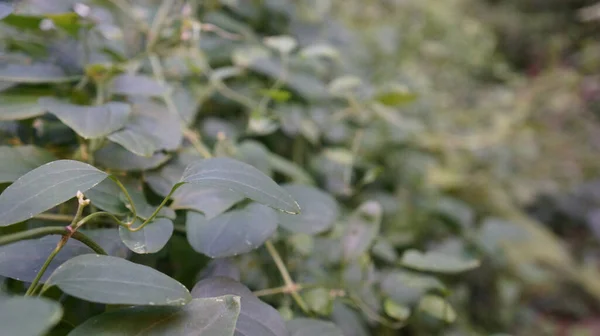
column 473, row 123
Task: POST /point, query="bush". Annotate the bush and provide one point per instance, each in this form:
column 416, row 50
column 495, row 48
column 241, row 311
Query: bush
column 300, row 171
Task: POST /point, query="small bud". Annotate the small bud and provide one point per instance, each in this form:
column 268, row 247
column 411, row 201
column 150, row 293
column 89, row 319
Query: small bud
column 47, row 24
column 82, row 9
column 79, row 195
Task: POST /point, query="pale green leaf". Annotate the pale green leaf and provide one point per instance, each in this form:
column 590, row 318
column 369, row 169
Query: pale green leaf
column 150, row 239
column 35, row 74
column 361, row 229
column 17, row 161
column 19, row 107
column 312, row 327
column 137, row 85
column 438, row 308
column 319, row 210
column 437, row 262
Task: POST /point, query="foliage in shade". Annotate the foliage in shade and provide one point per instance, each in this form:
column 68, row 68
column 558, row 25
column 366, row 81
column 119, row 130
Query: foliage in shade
column 26, row 316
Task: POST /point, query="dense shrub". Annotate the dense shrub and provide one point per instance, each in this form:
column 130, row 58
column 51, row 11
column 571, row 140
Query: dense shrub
column 304, row 167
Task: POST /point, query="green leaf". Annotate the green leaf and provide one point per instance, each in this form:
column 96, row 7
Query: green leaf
column 112, row 280
column 347, row 319
column 361, row 229
column 35, row 74
column 210, row 201
column 232, row 233
column 45, row 187
column 151, row 239
column 139, row 85
column 406, row 288
column 22, row 260
column 163, row 179
column 68, row 21
column 206, row 317
column 319, row 300
column 438, row 308
column 256, row 317
column 89, row 121
column 319, row 210
column 19, row 106
column 143, row 209
column 396, row 96
column 5, row 10
column 106, row 196
column 255, row 154
column 312, row 327
column 151, row 128
column 114, row 156
column 222, row 267
column 437, row 262
column 395, row 310
column 27, row 316
column 17, row 161
column 231, row 174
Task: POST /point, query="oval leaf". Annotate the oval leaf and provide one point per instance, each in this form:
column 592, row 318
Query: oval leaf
column 22, row 260
column 151, row 239
column 361, row 229
column 116, row 157
column 231, row 174
column 437, row 262
column 27, row 316
column 312, row 327
column 319, row 210
column 89, row 121
column 112, row 280
column 256, row 317
column 46, row 187
column 438, row 308
column 210, row 316
column 34, row 74
column 17, row 161
column 232, row 233
column 19, row 107
column 137, row 85
column 210, row 201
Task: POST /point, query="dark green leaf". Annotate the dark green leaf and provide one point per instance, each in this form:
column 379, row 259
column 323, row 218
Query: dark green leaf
column 348, row 320
column 112, row 280
column 114, row 156
column 151, row 128
column 23, row 259
column 107, row 196
column 27, row 316
column 437, row 262
column 361, row 229
column 256, row 317
column 232, row 233
column 406, row 287
column 210, row 201
column 67, row 21
column 137, row 85
column 319, row 210
column 200, row 317
column 18, row 107
column 35, row 74
column 151, row 239
column 46, row 187
column 17, row 161
column 231, row 174
column 89, row 121
column 163, row 179
column 312, row 327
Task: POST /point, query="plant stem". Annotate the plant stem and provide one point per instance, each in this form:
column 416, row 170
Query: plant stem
column 159, row 18
column 276, row 290
column 160, row 206
column 50, row 230
column 131, row 204
column 54, row 217
column 42, row 270
column 292, row 288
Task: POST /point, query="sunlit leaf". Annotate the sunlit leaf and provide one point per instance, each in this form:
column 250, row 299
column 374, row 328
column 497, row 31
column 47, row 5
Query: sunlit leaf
column 208, row 316
column 437, row 262
column 319, row 210
column 28, row 316
column 89, row 121
column 150, row 239
column 437, row 307
column 232, row 233
column 46, row 187
column 112, row 280
column 256, row 317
